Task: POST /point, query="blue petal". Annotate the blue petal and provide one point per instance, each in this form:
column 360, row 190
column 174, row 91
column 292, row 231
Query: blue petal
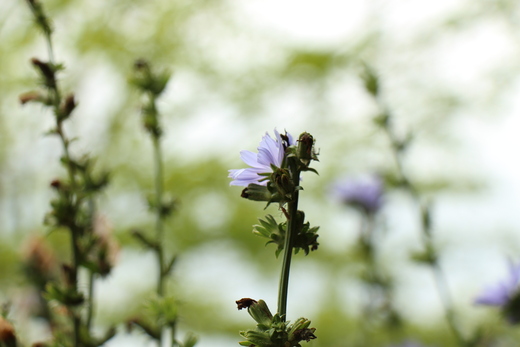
column 249, row 158
column 494, row 296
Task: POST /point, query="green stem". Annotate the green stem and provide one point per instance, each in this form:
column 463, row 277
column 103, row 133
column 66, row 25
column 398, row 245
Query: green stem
column 159, row 221
column 288, row 246
column 76, row 320
column 159, row 217
column 90, row 303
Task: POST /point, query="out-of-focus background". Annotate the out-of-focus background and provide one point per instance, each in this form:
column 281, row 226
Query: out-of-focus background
column 450, row 74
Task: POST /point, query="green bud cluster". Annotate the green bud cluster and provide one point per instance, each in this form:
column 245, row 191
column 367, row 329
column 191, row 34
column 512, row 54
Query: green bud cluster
column 152, row 84
column 272, row 330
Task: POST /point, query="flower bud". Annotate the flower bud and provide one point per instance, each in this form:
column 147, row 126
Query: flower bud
column 257, row 192
column 258, row 310
column 66, row 107
column 306, row 151
column 281, row 178
column 47, row 71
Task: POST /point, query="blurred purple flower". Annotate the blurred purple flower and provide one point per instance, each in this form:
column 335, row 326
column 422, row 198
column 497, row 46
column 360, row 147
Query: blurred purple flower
column 365, row 192
column 505, row 294
column 270, row 152
column 408, row 344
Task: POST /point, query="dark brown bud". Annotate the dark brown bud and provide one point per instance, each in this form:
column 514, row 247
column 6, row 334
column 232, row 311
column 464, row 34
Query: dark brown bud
column 56, row 184
column 46, row 70
column 66, row 108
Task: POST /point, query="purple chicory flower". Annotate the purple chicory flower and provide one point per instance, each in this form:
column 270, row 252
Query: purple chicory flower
column 270, row 152
column 364, row 192
column 505, row 294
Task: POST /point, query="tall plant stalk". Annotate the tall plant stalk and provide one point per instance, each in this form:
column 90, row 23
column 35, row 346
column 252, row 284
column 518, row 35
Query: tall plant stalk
column 158, row 213
column 286, row 160
column 430, row 256
column 152, row 85
column 73, row 209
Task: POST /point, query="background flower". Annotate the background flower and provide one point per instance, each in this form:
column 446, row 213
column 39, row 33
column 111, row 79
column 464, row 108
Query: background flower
column 505, row 294
column 501, row 293
column 364, row 192
column 270, row 152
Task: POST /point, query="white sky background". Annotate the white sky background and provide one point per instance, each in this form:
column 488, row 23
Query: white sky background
column 480, row 232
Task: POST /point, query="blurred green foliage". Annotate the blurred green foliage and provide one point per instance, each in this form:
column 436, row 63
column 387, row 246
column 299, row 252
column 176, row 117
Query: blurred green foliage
column 198, row 40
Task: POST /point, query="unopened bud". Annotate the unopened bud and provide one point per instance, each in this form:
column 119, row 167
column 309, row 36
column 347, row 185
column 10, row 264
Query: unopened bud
column 66, row 107
column 260, row 313
column 306, row 151
column 281, row 178
column 47, row 72
column 256, row 192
